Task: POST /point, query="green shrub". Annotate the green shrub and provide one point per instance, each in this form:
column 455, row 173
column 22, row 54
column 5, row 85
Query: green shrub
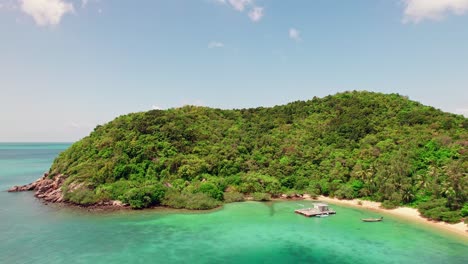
column 357, row 185
column 261, row 196
column 442, row 214
column 144, row 196
column 301, row 183
column 387, row 204
column 437, row 209
column 464, row 210
column 193, row 201
column 323, row 187
column 117, row 189
column 82, row 196
column 312, row 191
column 136, row 198
column 201, row 201
column 211, row 190
column 345, row 192
column 424, row 206
column 174, row 199
column 451, row 216
column 179, row 184
column 435, row 213
column 232, row 197
column 256, row 182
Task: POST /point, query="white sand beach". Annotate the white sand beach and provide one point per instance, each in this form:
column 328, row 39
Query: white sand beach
column 404, row 212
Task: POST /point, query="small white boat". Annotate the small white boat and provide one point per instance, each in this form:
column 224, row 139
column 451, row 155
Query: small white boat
column 372, row 219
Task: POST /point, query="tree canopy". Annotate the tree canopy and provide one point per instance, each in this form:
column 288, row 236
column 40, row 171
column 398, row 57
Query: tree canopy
column 382, row 147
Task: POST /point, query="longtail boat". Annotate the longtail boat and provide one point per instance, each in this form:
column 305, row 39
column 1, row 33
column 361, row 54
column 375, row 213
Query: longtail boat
column 372, row 219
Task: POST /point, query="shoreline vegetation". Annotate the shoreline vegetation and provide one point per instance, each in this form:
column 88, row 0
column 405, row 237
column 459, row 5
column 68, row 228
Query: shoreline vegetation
column 353, row 145
column 411, row 214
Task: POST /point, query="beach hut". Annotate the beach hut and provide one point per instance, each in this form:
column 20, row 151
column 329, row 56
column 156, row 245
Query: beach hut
column 321, row 207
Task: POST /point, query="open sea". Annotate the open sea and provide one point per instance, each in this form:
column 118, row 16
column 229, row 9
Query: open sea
column 250, row 232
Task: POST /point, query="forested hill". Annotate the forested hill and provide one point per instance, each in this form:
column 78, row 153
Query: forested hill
column 383, row 147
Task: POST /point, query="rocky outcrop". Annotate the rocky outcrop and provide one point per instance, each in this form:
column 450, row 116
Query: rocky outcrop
column 48, row 189
column 111, row 203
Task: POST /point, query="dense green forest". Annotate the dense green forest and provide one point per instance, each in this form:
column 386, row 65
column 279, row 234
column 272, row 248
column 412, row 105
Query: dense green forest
column 375, row 146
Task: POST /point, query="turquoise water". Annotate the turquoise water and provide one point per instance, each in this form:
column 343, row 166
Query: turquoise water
column 31, row 232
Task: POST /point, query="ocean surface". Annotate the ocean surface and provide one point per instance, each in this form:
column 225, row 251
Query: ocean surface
column 251, row 232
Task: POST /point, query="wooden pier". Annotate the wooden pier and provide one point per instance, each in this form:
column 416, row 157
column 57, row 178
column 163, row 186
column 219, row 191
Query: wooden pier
column 318, row 210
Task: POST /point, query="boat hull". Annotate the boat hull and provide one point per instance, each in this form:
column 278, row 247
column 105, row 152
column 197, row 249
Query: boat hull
column 372, row 219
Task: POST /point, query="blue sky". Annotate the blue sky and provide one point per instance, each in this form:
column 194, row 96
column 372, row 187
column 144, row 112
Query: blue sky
column 67, row 66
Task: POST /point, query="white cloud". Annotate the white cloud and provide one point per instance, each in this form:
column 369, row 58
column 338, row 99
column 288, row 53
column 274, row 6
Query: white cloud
column 256, row 14
column 156, row 107
column 46, row 12
column 419, row 10
column 240, row 5
column 215, row 44
column 294, row 34
column 9, row 5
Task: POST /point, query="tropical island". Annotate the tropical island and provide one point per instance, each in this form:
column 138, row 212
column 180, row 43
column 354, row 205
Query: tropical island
column 377, row 147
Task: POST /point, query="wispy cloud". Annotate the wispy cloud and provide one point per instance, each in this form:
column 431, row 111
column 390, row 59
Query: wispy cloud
column 295, row 34
column 215, row 44
column 420, row 10
column 240, row 4
column 46, row 12
column 9, row 4
column 256, row 14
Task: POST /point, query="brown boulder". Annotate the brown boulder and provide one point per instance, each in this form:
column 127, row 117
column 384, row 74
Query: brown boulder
column 46, row 188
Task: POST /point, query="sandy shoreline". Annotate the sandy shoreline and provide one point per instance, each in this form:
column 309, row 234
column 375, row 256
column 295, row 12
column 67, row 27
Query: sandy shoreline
column 403, row 212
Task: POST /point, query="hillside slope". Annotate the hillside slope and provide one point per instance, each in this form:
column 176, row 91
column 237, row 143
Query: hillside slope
column 354, row 144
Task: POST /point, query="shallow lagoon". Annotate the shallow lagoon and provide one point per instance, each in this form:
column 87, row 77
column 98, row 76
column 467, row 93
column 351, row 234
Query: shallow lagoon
column 251, row 232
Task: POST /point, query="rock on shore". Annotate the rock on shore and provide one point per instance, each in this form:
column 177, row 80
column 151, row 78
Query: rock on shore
column 48, row 189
